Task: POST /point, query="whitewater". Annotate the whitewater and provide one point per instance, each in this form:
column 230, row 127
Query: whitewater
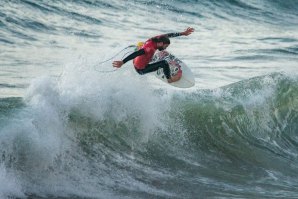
column 71, row 126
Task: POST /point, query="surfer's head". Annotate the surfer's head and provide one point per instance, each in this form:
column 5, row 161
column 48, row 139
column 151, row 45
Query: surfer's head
column 162, row 42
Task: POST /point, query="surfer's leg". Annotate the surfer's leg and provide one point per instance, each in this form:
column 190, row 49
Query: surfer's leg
column 155, row 66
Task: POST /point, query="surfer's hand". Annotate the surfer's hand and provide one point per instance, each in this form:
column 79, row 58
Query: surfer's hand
column 188, row 31
column 117, row 64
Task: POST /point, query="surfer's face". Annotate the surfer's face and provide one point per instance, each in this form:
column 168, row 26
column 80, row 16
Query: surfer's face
column 162, row 46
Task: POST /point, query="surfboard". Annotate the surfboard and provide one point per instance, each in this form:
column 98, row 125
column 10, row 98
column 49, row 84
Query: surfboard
column 177, row 67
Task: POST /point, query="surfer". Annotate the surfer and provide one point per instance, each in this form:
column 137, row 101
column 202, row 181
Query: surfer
column 142, row 57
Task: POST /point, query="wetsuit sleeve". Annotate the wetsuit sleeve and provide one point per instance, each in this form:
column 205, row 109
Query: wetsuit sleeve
column 134, row 55
column 174, row 34
column 169, row 35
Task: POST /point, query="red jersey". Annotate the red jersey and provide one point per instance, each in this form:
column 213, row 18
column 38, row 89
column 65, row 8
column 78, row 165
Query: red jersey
column 142, row 61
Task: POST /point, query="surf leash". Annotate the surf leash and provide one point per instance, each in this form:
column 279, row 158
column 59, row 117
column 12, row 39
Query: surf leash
column 102, row 62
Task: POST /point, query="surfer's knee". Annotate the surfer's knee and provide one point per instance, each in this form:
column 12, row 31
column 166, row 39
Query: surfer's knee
column 140, row 72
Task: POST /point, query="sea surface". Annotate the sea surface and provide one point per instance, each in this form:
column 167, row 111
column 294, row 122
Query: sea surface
column 73, row 127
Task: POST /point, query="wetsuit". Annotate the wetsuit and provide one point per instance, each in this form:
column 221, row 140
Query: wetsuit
column 143, row 57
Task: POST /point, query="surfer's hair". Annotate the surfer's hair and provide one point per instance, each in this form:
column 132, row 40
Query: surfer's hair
column 162, row 39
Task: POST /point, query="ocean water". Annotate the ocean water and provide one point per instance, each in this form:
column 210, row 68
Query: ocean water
column 71, row 126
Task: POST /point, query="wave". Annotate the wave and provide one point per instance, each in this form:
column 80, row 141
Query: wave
column 259, row 112
column 58, row 141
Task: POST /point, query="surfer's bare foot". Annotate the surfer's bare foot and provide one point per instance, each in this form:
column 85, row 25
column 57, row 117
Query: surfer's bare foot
column 175, row 78
column 170, row 80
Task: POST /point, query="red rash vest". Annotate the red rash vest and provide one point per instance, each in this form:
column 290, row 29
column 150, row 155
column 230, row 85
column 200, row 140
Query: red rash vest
column 142, row 61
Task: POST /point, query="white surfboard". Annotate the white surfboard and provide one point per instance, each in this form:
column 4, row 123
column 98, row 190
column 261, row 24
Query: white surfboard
column 187, row 79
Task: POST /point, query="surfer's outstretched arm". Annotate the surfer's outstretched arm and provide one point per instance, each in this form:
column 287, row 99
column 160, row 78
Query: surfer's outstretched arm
column 133, row 55
column 187, row 32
